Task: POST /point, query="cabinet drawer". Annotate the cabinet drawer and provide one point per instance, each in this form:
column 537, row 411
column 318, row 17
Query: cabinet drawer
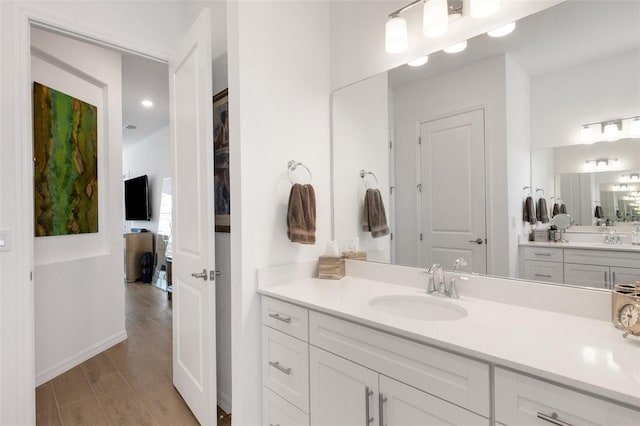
column 549, row 254
column 543, row 271
column 288, row 318
column 622, row 259
column 519, row 399
column 278, row 411
column 457, row 379
column 285, row 367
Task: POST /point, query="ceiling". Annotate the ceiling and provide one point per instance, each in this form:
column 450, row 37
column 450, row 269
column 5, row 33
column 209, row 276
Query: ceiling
column 565, row 35
column 143, row 79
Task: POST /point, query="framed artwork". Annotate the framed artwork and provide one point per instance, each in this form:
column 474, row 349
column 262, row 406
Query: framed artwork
column 65, row 150
column 221, row 161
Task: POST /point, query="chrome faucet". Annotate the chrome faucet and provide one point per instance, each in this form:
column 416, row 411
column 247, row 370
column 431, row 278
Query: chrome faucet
column 437, row 283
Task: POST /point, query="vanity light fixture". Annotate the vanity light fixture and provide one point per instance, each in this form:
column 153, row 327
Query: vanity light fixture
column 483, row 8
column 611, row 130
column 419, row 61
column 503, row 30
column 601, row 164
column 436, row 17
column 634, row 128
column 456, row 48
column 586, row 135
column 633, row 177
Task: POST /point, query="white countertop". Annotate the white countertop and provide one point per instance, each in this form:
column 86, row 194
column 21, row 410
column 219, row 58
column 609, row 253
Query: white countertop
column 583, row 353
column 583, row 245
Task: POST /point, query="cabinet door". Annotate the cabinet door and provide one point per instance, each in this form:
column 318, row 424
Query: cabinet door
column 586, row 275
column 624, row 275
column 403, row 405
column 341, row 391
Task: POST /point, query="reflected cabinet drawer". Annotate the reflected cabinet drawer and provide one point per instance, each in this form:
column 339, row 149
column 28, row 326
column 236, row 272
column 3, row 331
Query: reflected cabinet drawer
column 543, row 271
column 522, row 400
column 285, row 367
column 288, row 318
column 549, row 254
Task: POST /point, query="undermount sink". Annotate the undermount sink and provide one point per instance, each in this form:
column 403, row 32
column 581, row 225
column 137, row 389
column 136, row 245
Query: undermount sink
column 418, row 308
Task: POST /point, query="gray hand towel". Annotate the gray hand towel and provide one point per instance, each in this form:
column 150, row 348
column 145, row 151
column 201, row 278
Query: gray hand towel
column 541, row 211
column 528, row 211
column 301, row 214
column 598, row 212
column 374, row 219
column 556, row 209
column 563, row 208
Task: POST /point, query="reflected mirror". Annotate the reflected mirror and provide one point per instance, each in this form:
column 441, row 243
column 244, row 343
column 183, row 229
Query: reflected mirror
column 457, row 144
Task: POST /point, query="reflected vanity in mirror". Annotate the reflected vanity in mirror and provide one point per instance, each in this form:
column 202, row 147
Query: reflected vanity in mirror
column 163, row 248
column 453, row 142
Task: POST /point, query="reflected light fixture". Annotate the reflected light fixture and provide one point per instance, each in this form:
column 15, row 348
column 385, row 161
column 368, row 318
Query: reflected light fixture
column 601, row 164
column 611, row 129
column 396, row 39
column 435, row 18
column 634, row 128
column 419, row 61
column 483, row 8
column 503, row 30
column 146, row 103
column 458, row 47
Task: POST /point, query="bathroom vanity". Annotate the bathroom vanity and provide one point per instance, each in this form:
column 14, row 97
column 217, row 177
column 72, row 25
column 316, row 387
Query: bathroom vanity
column 364, row 352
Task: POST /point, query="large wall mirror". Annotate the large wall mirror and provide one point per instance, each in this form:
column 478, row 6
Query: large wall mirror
column 451, row 144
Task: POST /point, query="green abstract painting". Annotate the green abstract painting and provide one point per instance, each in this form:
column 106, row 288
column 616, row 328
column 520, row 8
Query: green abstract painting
column 65, row 139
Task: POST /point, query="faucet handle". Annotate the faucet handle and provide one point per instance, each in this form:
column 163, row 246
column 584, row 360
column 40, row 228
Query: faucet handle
column 460, row 262
column 453, row 290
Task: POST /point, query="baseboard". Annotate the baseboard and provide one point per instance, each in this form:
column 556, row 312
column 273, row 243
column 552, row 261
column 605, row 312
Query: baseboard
column 79, row 358
column 224, row 401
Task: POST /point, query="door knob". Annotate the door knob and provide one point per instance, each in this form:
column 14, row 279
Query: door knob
column 478, row 241
column 202, row 274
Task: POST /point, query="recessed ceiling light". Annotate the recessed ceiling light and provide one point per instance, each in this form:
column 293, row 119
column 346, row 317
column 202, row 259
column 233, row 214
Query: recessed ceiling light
column 459, row 47
column 503, row 30
column 418, row 62
column 130, row 126
column 147, row 103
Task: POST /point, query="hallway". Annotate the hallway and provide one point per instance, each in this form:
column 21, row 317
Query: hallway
column 129, row 384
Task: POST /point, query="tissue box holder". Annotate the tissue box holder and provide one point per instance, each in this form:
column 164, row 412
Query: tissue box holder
column 330, row 267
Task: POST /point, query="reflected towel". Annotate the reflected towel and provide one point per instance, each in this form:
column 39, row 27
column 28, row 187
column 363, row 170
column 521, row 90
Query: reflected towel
column 541, row 211
column 556, row 209
column 301, row 214
column 528, row 211
column 374, row 219
column 598, row 212
column 563, row 208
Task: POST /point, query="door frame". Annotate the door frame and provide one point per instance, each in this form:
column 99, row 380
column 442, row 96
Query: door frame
column 25, row 318
column 487, row 183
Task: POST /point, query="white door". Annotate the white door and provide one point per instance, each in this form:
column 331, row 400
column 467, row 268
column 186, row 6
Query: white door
column 342, row 393
column 403, row 405
column 194, row 343
column 452, row 197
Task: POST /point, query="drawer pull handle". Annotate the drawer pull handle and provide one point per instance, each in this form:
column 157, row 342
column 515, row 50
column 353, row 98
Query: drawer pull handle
column 542, row 275
column 277, row 365
column 553, row 419
column 279, row 318
column 271, row 424
column 542, row 254
column 367, row 394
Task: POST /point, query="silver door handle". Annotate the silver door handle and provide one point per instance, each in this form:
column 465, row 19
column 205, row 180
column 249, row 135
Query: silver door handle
column 477, row 241
column 279, row 318
column 202, row 274
column 381, row 400
column 277, row 365
column 367, row 394
column 553, row 419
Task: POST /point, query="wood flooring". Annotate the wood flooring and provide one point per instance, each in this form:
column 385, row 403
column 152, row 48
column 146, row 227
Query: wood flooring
column 128, row 384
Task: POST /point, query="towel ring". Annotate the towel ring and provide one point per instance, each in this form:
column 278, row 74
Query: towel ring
column 540, row 190
column 292, row 165
column 524, row 188
column 364, row 174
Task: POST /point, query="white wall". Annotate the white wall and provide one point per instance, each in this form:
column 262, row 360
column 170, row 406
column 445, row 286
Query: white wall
column 279, row 88
column 149, row 156
column 479, row 85
column 79, row 296
column 561, row 102
column 517, row 119
column 359, row 136
column 357, row 34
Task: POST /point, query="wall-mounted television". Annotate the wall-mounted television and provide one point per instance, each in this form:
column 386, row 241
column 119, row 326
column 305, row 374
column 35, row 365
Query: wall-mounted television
column 136, row 199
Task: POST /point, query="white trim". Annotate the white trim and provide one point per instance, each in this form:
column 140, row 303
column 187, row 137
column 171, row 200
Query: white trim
column 224, row 401
column 79, row 358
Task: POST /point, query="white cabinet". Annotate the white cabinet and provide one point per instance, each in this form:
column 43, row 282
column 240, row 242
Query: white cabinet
column 345, row 393
column 624, row 275
column 278, row 411
column 522, row 400
column 586, row 275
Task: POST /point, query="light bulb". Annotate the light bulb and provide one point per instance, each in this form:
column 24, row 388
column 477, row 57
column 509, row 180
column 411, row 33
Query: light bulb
column 418, row 62
column 634, row 128
column 396, row 39
column 435, row 18
column 146, row 103
column 601, row 164
column 586, row 135
column 503, row 30
column 610, row 132
column 615, row 163
column 459, row 47
column 484, row 8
